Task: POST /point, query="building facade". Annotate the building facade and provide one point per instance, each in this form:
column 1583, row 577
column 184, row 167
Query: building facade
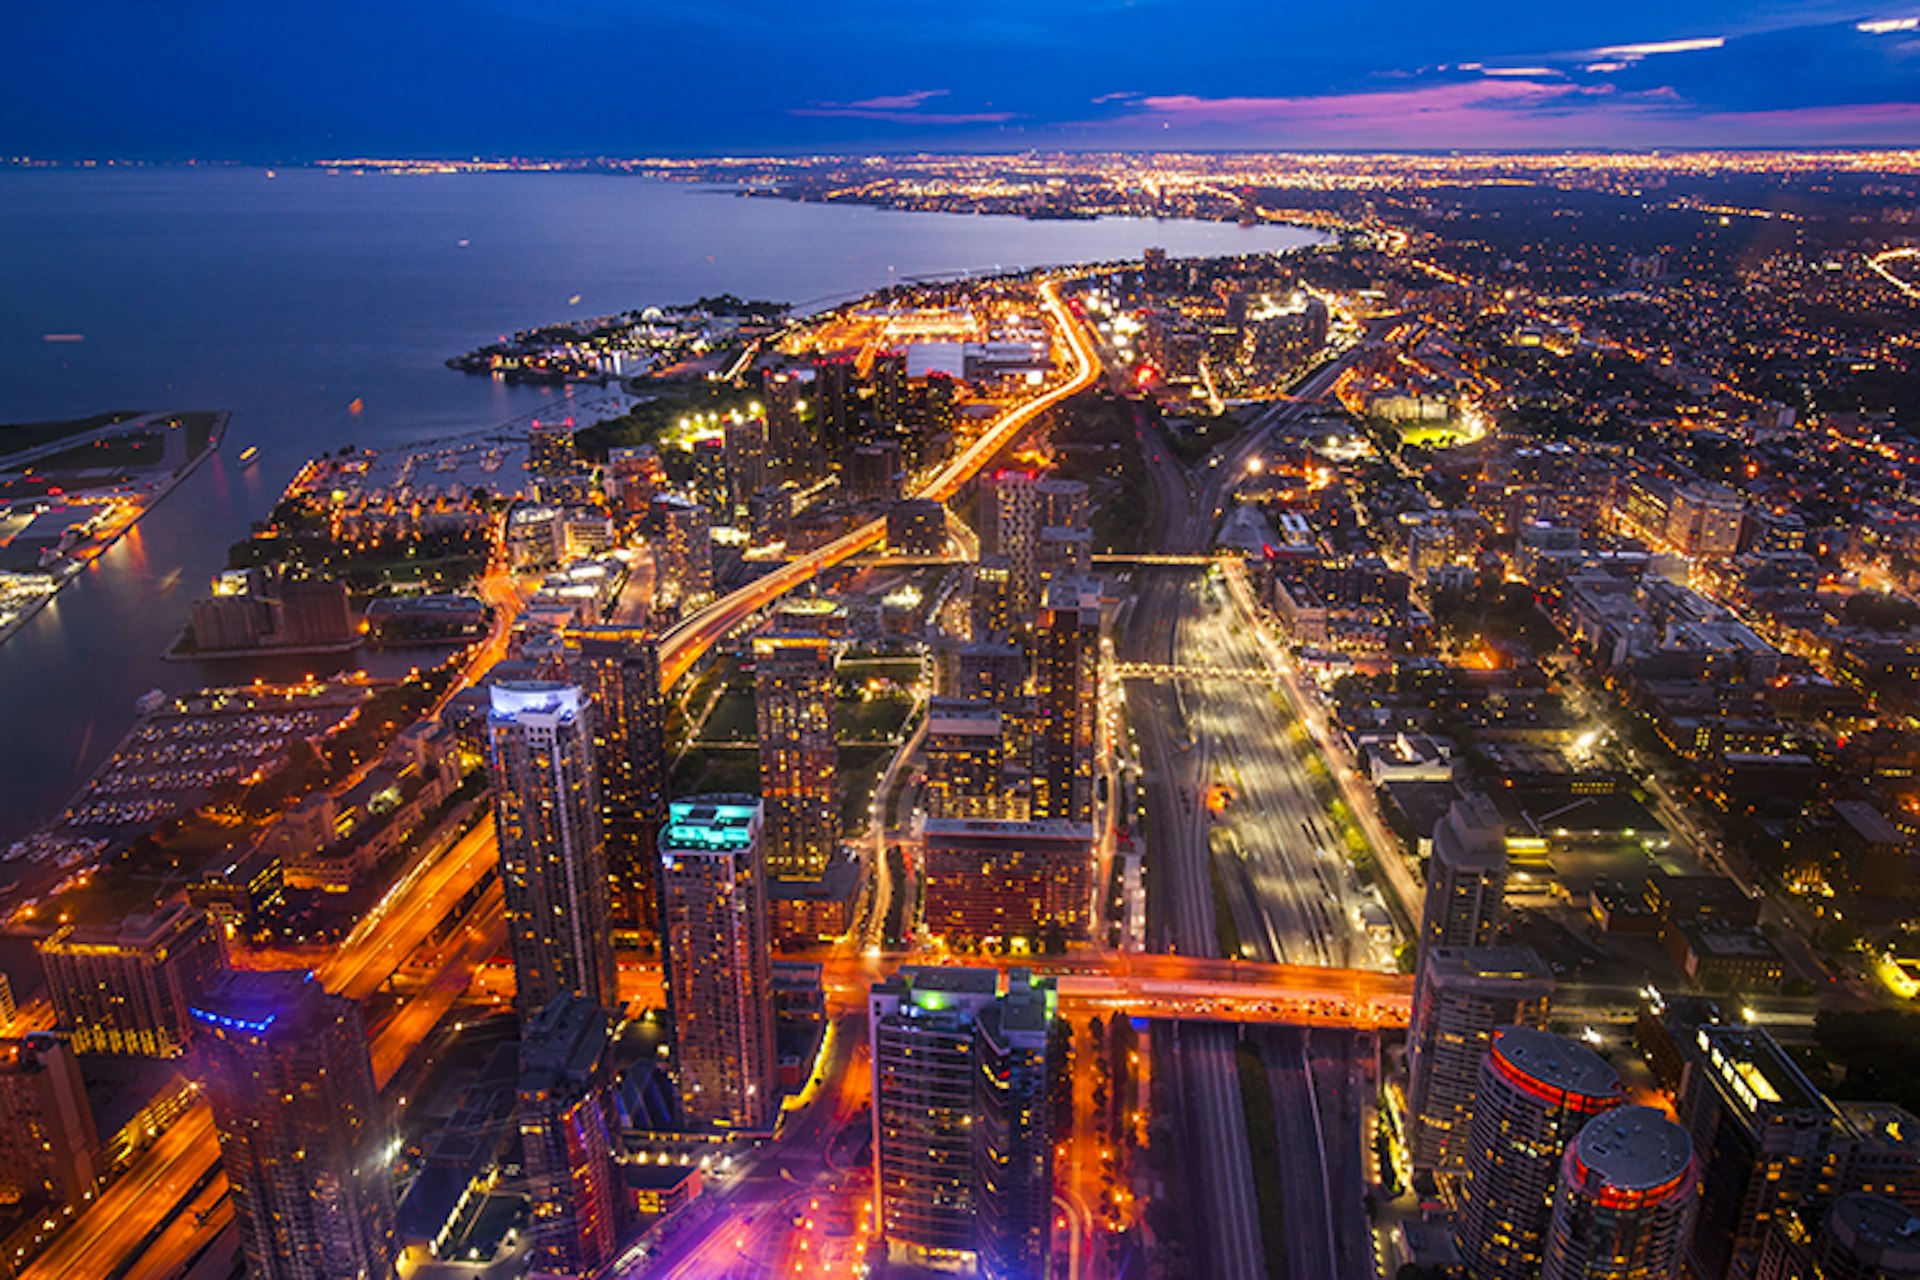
column 1466, row 877
column 713, row 908
column 126, row 989
column 793, row 700
column 682, row 552
column 1012, row 1142
column 562, row 1108
column 619, row 668
column 966, row 748
column 1461, row 994
column 1771, row 1145
column 1624, row 1207
column 1002, row 879
column 1010, row 527
column 286, row 1071
column 1066, row 700
column 963, row 1159
column 49, row 1148
column 553, row 866
column 1536, row 1092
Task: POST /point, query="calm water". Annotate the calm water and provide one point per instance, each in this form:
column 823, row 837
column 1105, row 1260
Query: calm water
column 284, row 299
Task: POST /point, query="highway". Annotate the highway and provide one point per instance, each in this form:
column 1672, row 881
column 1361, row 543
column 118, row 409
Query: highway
column 1319, row 1082
column 1211, row 1125
column 1280, row 872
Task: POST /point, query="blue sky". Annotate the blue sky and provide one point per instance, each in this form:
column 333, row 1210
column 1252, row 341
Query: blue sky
column 288, row 80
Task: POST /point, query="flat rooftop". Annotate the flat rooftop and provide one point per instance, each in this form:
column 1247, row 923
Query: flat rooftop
column 710, row 824
column 1557, row 1062
column 1634, row 1148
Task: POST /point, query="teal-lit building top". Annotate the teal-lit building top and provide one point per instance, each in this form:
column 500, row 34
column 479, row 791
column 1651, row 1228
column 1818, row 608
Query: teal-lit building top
column 710, row 824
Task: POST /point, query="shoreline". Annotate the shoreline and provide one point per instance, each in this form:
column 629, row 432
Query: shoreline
column 174, row 653
column 75, row 567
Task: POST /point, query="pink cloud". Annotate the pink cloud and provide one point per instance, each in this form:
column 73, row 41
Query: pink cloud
column 900, row 108
column 1511, row 112
column 896, row 101
column 1429, row 115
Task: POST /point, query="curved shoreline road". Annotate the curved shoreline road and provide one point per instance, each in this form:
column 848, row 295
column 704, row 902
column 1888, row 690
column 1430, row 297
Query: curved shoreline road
column 683, row 646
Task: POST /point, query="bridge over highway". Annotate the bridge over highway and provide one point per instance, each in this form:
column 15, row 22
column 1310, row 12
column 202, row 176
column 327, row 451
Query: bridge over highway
column 1174, row 987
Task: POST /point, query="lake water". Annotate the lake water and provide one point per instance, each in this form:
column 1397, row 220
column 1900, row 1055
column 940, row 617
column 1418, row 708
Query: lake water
column 286, row 298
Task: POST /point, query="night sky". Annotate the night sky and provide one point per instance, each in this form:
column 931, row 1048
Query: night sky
column 287, row 80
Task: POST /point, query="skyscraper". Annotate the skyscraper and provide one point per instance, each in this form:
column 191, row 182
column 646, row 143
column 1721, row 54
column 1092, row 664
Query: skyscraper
column 1628, row 1186
column 990, row 597
column 566, row 1141
column 682, row 551
column 619, row 668
column 1061, row 553
column 784, row 395
column 799, row 756
column 1010, row 527
column 49, row 1149
column 1012, row 1142
column 1066, row 700
column 286, row 1071
column 833, row 407
column 1859, row 1237
column 1772, row 1144
column 1466, row 877
column 1536, row 1091
column 1062, row 503
column 713, row 913
column 550, row 447
column 966, row 755
column 962, row 1154
column 985, row 878
column 1705, row 521
column 748, row 470
column 126, row 988
column 889, row 378
column 1460, row 995
column 553, row 864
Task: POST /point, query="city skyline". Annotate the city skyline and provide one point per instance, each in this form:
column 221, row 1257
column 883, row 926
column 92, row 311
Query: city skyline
column 1022, row 656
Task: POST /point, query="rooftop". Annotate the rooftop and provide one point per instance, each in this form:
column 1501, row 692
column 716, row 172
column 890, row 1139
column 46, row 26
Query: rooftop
column 1634, row 1149
column 1556, row 1062
column 1489, row 965
column 512, row 699
column 997, row 829
column 1758, row 1071
column 564, row 1043
column 253, row 1002
column 1878, row 1229
column 711, row 824
column 142, row 932
column 1868, row 822
column 1473, row 834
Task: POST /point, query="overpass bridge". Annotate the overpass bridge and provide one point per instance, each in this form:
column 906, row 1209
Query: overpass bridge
column 1173, row 987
